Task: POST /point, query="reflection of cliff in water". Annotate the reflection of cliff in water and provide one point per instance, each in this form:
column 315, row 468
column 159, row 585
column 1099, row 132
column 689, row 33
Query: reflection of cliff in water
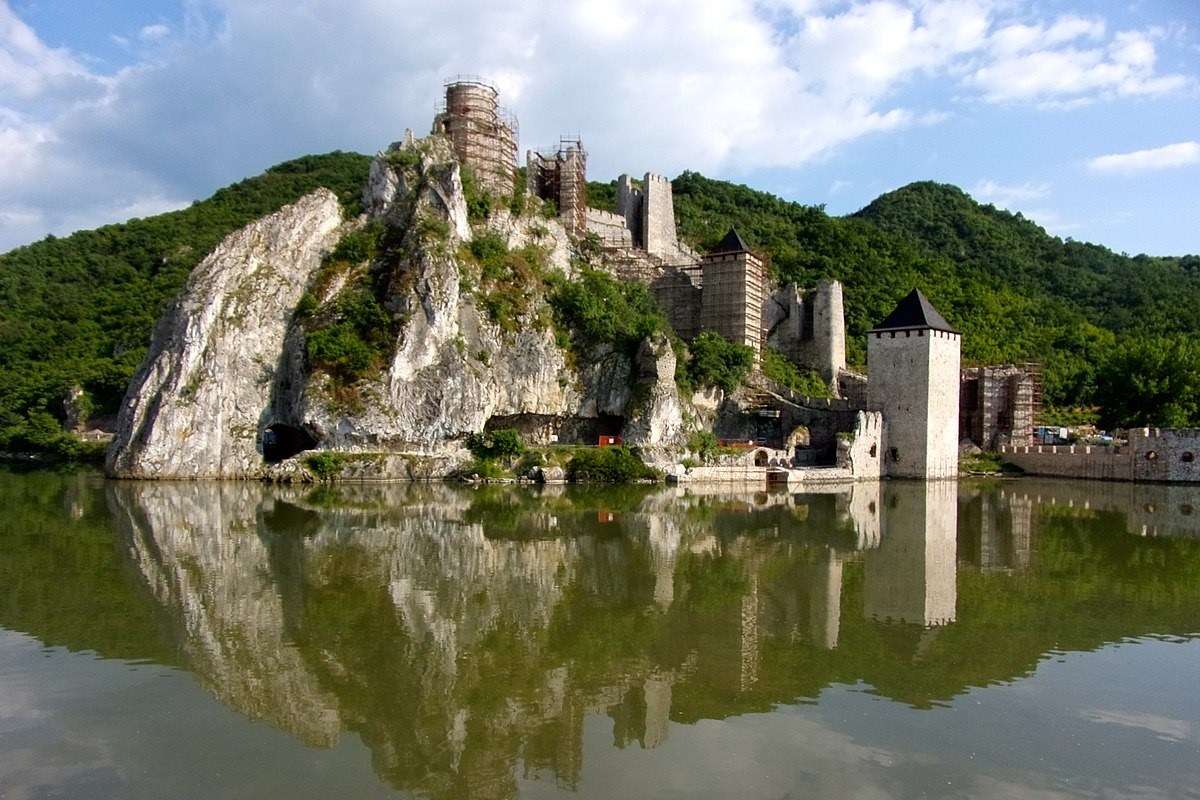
column 463, row 632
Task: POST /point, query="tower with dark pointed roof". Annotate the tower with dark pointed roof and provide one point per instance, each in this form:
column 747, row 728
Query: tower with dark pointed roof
column 732, row 299
column 913, row 359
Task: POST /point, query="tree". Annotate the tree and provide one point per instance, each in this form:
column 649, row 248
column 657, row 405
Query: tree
column 1151, row 381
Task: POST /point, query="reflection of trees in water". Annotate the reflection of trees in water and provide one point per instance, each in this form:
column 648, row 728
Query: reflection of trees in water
column 463, row 632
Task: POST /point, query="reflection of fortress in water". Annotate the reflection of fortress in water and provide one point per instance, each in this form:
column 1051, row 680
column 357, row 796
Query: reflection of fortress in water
column 461, row 633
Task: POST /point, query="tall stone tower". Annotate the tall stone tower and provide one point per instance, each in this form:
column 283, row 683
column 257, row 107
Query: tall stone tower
column 913, row 361
column 484, row 135
column 658, row 216
column 822, row 334
column 732, row 294
column 649, row 212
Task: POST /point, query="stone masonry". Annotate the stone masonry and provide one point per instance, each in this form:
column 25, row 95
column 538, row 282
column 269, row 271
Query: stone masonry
column 913, row 360
column 1152, row 454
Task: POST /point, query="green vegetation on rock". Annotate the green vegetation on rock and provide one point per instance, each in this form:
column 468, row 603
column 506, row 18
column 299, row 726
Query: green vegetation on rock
column 608, row 465
column 716, row 361
column 599, row 309
column 777, row 367
column 80, row 309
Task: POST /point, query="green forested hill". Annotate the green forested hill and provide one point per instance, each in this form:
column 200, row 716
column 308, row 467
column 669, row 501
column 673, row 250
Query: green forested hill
column 1015, row 291
column 80, row 309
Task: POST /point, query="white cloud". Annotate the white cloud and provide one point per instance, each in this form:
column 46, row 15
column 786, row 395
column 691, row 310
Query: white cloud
column 1165, row 728
column 154, row 33
column 722, row 85
column 1009, row 195
column 1049, row 65
column 1180, row 154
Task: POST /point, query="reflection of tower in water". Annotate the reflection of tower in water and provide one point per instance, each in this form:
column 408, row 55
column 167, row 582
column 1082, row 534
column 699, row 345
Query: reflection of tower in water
column 911, row 577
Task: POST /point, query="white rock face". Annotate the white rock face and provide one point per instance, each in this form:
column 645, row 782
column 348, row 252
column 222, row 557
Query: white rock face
column 453, row 367
column 196, row 407
column 658, row 420
column 229, row 359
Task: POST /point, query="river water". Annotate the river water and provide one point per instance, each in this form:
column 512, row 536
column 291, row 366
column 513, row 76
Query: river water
column 1008, row 639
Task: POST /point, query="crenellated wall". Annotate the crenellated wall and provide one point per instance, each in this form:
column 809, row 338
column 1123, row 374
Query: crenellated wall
column 1152, row 454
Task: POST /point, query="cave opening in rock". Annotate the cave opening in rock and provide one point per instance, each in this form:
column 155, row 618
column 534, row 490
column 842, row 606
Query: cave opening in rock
column 280, row 442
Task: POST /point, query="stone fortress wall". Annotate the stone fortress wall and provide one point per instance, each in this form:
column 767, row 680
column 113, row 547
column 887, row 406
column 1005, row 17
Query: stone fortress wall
column 1152, row 454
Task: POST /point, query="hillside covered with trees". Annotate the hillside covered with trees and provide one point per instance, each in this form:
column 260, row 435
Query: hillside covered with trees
column 80, row 309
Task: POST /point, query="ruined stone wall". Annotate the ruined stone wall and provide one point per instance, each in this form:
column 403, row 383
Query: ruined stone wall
column 852, row 387
column 1171, row 456
column 610, row 227
column 629, row 205
column 1166, row 454
column 914, row 381
column 862, row 450
column 822, row 343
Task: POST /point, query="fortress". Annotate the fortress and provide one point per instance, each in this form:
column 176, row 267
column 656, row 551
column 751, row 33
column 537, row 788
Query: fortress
column 905, row 418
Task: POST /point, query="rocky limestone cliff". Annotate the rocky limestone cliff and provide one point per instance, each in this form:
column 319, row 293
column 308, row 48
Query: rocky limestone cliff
column 199, row 401
column 229, row 364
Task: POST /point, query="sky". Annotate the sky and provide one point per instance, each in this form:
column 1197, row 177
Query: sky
column 1083, row 115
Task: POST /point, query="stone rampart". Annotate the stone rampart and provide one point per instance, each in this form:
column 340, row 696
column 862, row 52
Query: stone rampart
column 1165, row 456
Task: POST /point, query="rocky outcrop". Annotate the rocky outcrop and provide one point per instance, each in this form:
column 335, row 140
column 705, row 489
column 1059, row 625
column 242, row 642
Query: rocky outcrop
column 228, row 367
column 453, row 367
column 196, row 406
column 657, row 418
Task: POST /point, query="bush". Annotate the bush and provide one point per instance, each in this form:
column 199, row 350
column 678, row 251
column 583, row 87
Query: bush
column 1151, row 381
column 599, row 309
column 484, row 468
column 358, row 246
column 479, row 202
column 356, row 338
column 779, row 368
column 716, row 361
column 704, row 444
column 608, row 465
column 505, row 443
column 325, row 465
column 510, row 280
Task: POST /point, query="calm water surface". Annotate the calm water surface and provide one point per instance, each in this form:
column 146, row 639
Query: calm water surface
column 1016, row 639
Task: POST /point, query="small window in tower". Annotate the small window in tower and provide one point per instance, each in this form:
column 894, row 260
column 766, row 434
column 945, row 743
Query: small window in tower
column 894, row 453
column 874, row 450
column 1188, row 458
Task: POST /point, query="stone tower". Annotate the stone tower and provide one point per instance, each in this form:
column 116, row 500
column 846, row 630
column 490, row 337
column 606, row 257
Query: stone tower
column 484, row 136
column 822, row 344
column 732, row 292
column 913, row 378
column 649, row 212
column 658, row 216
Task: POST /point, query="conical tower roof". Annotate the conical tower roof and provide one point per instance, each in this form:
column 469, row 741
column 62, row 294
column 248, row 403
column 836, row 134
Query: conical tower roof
column 732, row 243
column 915, row 312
